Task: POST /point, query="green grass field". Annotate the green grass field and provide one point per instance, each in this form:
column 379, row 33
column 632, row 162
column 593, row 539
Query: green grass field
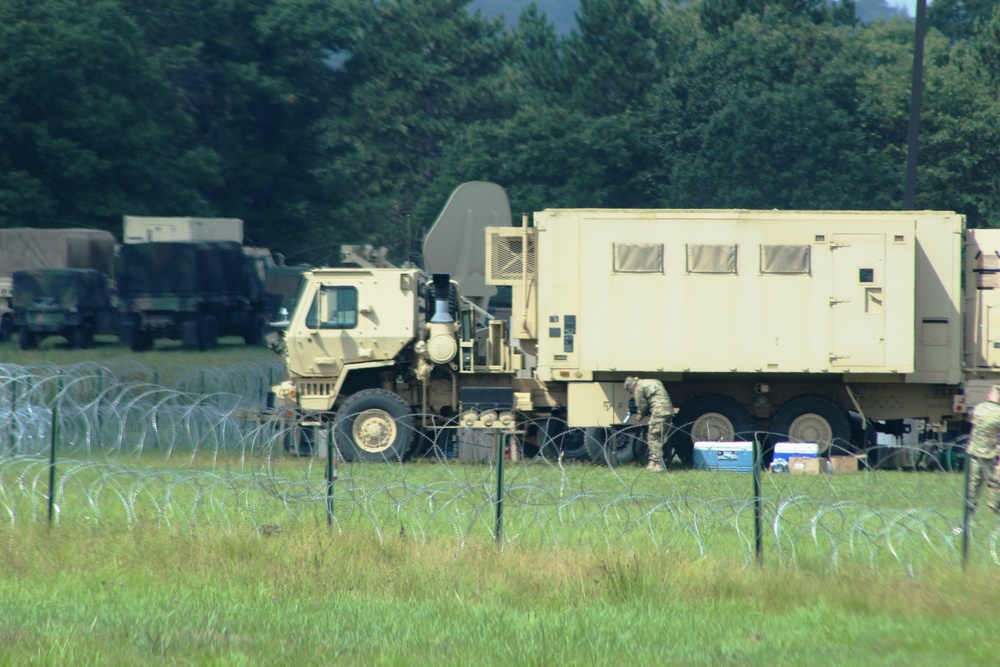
column 224, row 556
column 73, row 595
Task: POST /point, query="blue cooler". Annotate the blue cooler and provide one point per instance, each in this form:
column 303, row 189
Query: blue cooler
column 786, row 450
column 734, row 456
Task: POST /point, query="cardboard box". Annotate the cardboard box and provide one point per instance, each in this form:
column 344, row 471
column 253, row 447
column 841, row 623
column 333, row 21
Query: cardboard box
column 799, row 465
column 734, row 456
column 783, row 451
column 842, row 464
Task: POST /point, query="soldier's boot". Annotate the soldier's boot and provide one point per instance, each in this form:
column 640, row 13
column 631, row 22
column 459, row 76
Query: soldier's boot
column 655, row 466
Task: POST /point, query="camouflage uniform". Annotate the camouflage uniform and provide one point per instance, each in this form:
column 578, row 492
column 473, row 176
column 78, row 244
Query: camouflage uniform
column 653, row 400
column 983, row 451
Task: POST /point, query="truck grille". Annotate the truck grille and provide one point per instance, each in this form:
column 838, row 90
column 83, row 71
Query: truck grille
column 314, row 388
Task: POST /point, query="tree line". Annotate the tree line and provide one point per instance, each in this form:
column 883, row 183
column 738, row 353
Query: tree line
column 322, row 122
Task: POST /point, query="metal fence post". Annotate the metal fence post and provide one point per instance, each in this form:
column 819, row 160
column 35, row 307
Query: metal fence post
column 758, row 531
column 52, row 459
column 498, row 524
column 13, row 415
column 331, row 474
column 966, row 515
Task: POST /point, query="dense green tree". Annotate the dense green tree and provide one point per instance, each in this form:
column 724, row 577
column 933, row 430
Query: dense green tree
column 258, row 78
column 617, row 53
column 959, row 158
column 767, row 115
column 419, row 73
column 719, row 14
column 88, row 130
column 959, row 19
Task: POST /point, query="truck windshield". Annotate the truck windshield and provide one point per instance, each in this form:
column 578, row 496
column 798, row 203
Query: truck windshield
column 341, row 308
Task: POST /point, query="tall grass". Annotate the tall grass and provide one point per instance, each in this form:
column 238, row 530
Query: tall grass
column 310, row 596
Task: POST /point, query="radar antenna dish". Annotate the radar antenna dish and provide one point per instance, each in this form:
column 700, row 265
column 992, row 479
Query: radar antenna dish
column 456, row 243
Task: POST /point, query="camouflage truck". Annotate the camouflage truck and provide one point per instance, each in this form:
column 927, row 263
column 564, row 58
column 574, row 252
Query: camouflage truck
column 23, row 249
column 192, row 292
column 801, row 325
column 73, row 303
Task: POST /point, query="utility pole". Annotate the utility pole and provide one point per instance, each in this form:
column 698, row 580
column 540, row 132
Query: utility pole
column 910, row 191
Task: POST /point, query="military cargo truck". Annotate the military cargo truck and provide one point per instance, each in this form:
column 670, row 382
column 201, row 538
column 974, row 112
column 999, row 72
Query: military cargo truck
column 192, row 292
column 780, row 322
column 73, row 303
column 23, row 248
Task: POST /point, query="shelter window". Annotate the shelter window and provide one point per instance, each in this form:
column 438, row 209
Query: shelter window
column 785, row 259
column 338, row 308
column 704, row 258
column 638, row 257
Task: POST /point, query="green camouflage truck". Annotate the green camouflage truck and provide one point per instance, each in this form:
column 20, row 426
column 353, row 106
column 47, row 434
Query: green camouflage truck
column 25, row 248
column 73, row 303
column 192, row 292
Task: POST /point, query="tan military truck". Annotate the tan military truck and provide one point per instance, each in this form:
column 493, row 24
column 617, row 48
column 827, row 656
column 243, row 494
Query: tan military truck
column 779, row 322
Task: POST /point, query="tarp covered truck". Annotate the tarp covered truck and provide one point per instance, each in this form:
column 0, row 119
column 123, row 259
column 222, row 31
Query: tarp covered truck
column 76, row 304
column 24, row 249
column 192, row 292
column 796, row 324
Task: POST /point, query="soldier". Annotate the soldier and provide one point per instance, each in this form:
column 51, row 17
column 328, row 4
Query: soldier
column 653, row 400
column 983, row 451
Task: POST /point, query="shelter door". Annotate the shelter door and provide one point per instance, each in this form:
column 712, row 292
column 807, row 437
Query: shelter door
column 857, row 300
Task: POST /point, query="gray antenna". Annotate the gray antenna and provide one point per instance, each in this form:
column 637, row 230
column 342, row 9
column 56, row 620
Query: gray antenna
column 456, row 243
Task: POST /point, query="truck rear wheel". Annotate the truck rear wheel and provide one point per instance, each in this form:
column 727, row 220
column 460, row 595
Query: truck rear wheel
column 256, row 330
column 374, row 425
column 208, row 333
column 810, row 418
column 138, row 340
column 708, row 418
column 82, row 337
column 27, row 338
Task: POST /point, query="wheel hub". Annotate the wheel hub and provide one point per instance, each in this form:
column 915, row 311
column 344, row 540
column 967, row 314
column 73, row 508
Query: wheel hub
column 374, row 430
column 811, row 428
column 712, row 427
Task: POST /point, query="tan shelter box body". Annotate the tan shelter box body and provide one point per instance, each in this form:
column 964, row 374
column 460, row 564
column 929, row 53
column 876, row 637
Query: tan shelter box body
column 146, row 229
column 732, row 291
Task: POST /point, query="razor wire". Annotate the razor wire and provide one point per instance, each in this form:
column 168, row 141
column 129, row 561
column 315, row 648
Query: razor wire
column 205, row 452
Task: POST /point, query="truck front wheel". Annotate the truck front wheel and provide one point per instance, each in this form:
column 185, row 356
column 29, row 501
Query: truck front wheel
column 374, row 425
column 6, row 328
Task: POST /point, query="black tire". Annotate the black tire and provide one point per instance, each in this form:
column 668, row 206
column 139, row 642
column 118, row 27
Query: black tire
column 208, row 333
column 82, row 337
column 6, row 328
column 609, row 446
column 256, row 330
column 374, row 425
column 27, row 338
column 140, row 341
column 133, row 337
column 708, row 417
column 557, row 439
column 811, row 418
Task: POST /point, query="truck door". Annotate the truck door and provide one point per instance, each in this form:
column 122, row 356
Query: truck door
column 334, row 330
column 857, row 300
